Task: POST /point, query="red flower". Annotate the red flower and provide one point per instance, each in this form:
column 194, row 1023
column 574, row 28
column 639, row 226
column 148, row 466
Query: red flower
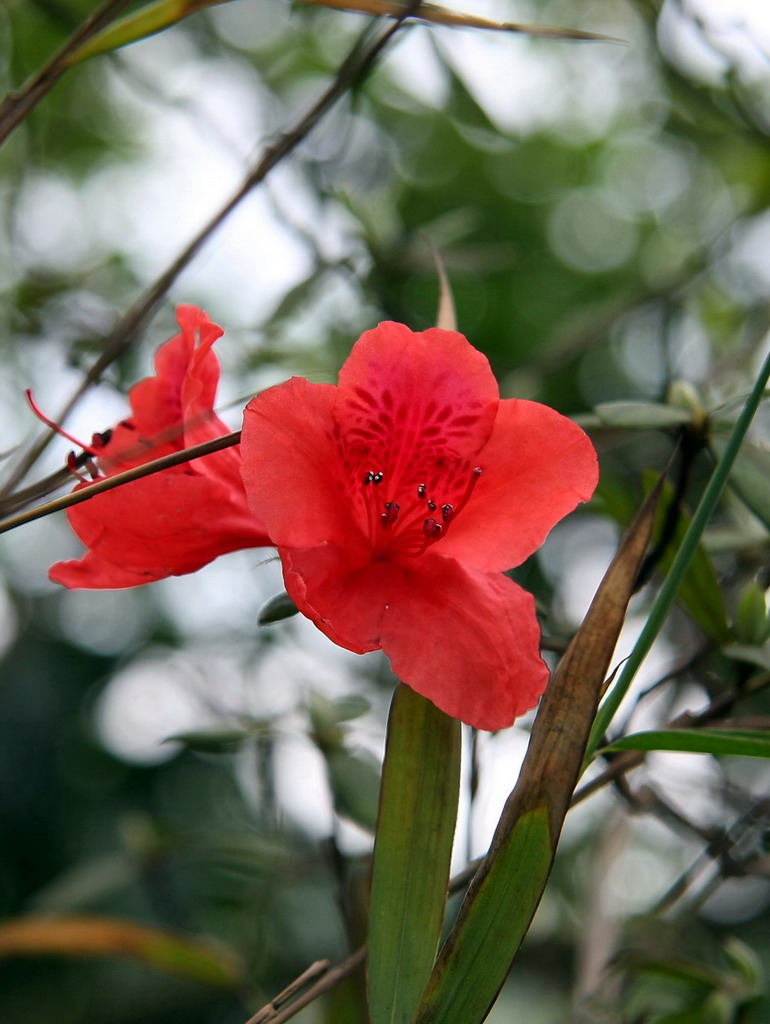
column 175, row 521
column 396, row 500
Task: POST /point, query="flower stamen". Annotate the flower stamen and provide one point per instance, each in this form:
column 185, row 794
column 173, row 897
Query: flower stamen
column 404, row 521
column 432, row 529
column 390, row 515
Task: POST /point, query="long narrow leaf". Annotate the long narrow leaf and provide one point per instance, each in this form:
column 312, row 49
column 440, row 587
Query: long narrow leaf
column 505, row 892
column 684, row 556
column 147, row 21
column 415, row 829
column 699, row 593
column 721, row 742
column 77, row 936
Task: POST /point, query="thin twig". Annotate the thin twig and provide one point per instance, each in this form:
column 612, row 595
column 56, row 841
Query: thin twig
column 36, row 491
column 107, row 483
column 359, row 60
column 271, row 1014
column 626, row 760
column 269, row 1010
column 433, row 13
column 16, row 105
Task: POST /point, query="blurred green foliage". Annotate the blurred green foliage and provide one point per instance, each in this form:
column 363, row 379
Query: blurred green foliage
column 605, row 235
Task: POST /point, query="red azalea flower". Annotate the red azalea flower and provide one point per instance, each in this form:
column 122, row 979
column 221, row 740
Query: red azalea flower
column 398, row 498
column 175, row 521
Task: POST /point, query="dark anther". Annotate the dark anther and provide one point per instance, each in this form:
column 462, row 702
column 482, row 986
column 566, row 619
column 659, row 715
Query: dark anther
column 431, row 504
column 390, row 515
column 421, row 491
column 431, row 529
column 377, row 478
column 101, row 440
column 446, row 513
column 368, row 478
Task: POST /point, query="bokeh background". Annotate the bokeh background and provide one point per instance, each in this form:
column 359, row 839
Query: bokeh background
column 601, row 211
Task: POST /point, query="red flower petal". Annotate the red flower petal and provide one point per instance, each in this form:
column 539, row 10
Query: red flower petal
column 175, row 408
column 344, row 598
column 468, row 641
column 465, row 639
column 291, row 466
column 168, row 524
column 538, row 465
column 175, row 521
column 408, row 400
column 93, row 573
column 186, row 376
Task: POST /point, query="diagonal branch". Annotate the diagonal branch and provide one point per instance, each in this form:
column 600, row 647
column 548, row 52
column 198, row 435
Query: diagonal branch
column 434, row 14
column 273, row 1013
column 352, row 70
column 107, row 483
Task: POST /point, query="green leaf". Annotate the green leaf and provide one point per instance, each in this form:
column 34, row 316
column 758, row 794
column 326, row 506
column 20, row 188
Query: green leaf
column 351, row 706
column 749, row 476
column 503, row 905
column 681, row 563
column 220, row 741
column 641, row 415
column 355, row 784
column 276, row 609
column 749, row 654
column 79, row 936
column 506, row 890
column 752, row 624
column 328, row 718
column 147, row 21
column 721, row 742
column 410, row 874
column 693, row 974
column 699, row 594
column 746, row 965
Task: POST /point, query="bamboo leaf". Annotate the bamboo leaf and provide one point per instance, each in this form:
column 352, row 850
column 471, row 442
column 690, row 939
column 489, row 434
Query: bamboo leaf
column 749, row 654
column 641, row 415
column 410, row 874
column 700, row 593
column 749, row 476
column 147, row 21
column 214, row 741
column 752, row 623
column 443, row 16
column 276, row 609
column 354, row 781
column 105, row 936
column 681, row 562
column 506, row 890
column 720, row 742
